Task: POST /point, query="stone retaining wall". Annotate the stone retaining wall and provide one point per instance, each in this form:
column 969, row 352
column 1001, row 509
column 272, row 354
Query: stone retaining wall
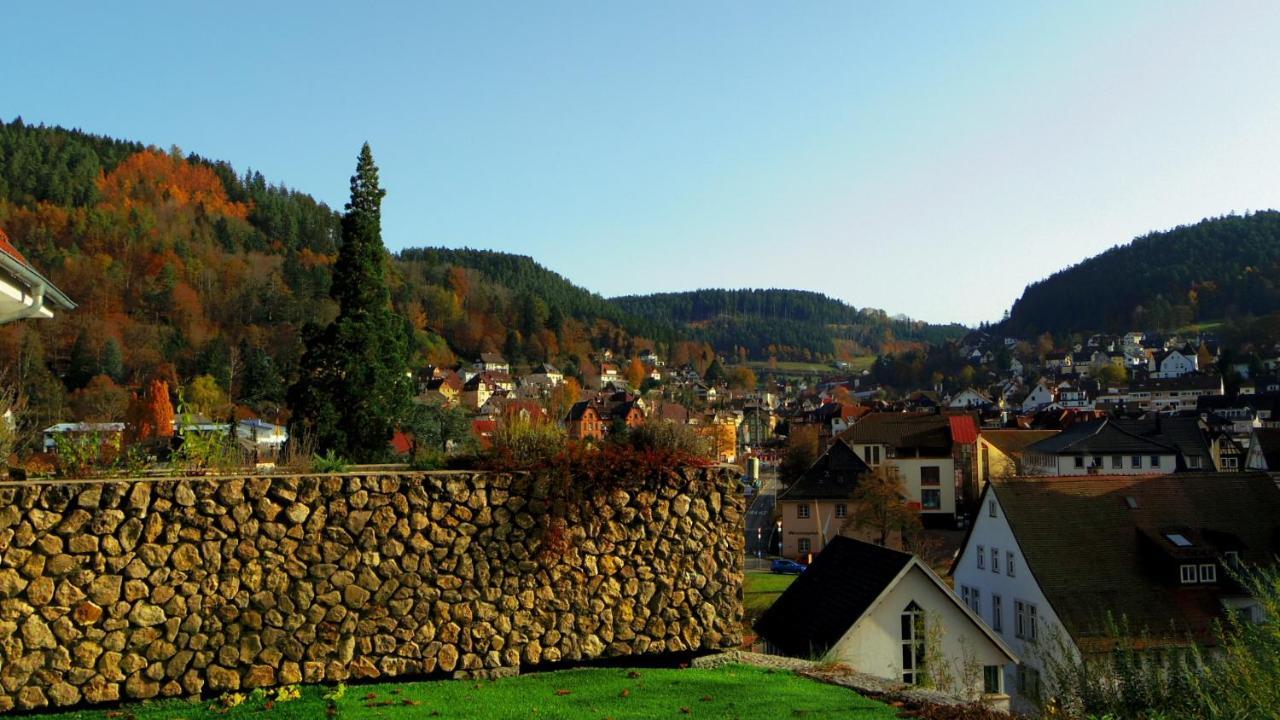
column 145, row 588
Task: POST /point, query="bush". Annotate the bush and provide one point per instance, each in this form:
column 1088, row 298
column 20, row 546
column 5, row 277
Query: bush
column 527, row 442
column 658, row 436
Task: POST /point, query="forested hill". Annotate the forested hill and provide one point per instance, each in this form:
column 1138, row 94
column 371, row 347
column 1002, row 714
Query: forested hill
column 788, row 324
column 187, row 270
column 1215, row 269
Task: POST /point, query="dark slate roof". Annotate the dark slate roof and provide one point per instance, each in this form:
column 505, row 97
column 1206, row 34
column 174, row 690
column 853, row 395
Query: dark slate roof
column 828, row 598
column 928, row 432
column 579, row 409
column 1098, row 437
column 833, row 476
column 1190, row 381
column 1181, row 432
column 1080, row 539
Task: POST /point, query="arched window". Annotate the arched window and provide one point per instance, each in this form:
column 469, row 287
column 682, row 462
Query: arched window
column 912, row 643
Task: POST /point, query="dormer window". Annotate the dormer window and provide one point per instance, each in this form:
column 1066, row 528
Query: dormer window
column 1178, row 539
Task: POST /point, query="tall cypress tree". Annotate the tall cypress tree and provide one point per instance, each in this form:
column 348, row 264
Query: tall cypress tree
column 353, row 389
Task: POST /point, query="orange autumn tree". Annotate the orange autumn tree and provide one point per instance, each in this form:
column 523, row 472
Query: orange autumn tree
column 635, row 373
column 150, row 415
column 155, row 178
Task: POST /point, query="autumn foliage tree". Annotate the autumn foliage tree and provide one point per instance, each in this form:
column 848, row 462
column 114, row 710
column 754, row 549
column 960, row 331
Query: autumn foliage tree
column 881, row 505
column 150, row 415
column 635, row 373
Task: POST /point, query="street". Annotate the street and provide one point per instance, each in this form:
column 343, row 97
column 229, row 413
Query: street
column 760, row 528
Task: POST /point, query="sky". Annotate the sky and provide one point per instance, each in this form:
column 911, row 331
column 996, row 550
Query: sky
column 928, row 159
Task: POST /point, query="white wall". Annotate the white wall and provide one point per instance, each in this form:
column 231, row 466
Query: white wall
column 989, row 532
column 874, row 644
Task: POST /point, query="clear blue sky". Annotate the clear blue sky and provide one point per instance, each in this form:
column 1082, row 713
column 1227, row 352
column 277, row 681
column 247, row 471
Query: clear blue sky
column 925, row 158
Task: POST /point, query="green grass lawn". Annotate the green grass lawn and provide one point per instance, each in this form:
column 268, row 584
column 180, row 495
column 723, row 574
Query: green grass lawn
column 726, row 693
column 760, row 589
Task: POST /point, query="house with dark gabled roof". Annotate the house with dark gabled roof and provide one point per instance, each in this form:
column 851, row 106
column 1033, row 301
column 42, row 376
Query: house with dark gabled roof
column 583, row 422
column 878, row 610
column 1053, row 564
column 818, row 505
column 1098, row 447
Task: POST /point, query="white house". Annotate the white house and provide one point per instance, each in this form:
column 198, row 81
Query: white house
column 24, row 292
column 1099, row 447
column 491, row 363
column 885, row 613
column 1052, row 563
column 1174, row 363
column 545, row 376
column 970, row 398
column 919, row 446
column 1039, row 396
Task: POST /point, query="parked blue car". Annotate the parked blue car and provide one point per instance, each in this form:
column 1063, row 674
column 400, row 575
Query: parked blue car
column 787, row 567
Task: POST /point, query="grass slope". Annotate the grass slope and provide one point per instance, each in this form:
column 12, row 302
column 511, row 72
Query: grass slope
column 760, row 589
column 727, row 693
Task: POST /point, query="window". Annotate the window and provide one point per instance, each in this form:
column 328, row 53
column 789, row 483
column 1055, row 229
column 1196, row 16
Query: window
column 1024, row 621
column 1029, row 682
column 1135, row 462
column 802, row 510
column 1008, row 563
column 982, row 558
column 930, row 475
column 1208, row 573
column 1155, row 461
column 1231, row 559
column 1229, row 463
column 995, row 561
column 1178, row 539
column 913, row 637
column 931, row 499
column 964, row 595
column 804, row 545
column 991, row 508
column 1188, row 574
column 1079, row 461
column 997, row 613
column 1117, row 462
column 842, row 510
column 975, row 601
column 1194, row 462
column 992, row 678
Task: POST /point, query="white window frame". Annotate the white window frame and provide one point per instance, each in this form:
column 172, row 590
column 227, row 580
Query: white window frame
column 982, row 558
column 997, row 613
column 804, row 546
column 995, row 560
column 802, row 511
column 1155, row 461
column 1187, row 574
column 1019, row 619
column 1135, row 462
column 842, row 511
column 1208, row 573
column 1008, row 563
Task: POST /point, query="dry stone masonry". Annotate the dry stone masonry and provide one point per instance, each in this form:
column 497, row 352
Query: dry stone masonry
column 154, row 588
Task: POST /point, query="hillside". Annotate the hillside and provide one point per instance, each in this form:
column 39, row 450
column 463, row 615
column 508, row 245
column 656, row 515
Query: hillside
column 1217, row 268
column 786, row 324
column 184, row 267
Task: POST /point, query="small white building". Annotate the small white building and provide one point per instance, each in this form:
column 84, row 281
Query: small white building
column 1042, row 394
column 885, row 613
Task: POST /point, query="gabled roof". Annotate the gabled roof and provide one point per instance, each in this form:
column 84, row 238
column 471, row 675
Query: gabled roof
column 964, row 429
column 1099, row 437
column 579, row 410
column 1013, row 442
column 492, row 359
column 925, row 431
column 1091, row 567
column 845, row 581
column 833, row 476
column 1181, row 432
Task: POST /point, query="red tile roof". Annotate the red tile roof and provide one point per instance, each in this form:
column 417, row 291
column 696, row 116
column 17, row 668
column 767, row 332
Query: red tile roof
column 963, row 429
column 8, row 249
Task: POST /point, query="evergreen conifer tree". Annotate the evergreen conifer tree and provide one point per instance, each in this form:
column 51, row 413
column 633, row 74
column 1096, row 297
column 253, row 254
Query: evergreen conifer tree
column 353, row 388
